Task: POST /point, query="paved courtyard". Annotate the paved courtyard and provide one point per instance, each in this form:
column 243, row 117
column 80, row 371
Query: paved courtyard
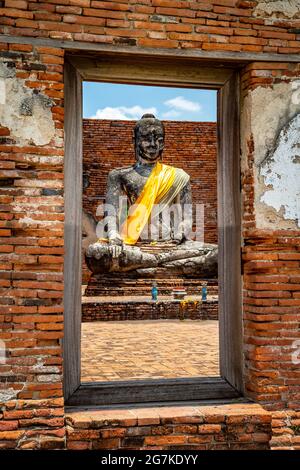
column 129, row 350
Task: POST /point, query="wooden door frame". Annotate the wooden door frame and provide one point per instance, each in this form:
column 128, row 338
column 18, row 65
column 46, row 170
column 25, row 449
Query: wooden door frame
column 177, row 71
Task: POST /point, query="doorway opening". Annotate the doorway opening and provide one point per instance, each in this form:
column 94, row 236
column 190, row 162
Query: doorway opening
column 160, row 386
column 126, row 334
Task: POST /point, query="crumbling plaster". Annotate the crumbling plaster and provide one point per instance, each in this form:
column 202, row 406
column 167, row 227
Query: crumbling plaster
column 270, row 116
column 278, row 9
column 25, row 111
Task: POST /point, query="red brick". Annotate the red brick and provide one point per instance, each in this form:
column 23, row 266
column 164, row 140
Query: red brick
column 277, row 35
column 10, row 435
column 164, row 440
column 21, row 47
column 103, row 13
column 73, row 10
column 187, row 37
column 117, row 23
column 15, row 13
column 248, row 40
column 244, row 32
column 149, row 26
column 181, row 28
column 222, row 47
column 214, row 30
column 110, row 5
column 158, row 43
column 131, row 33
column 41, row 7
column 50, row 51
column 209, row 428
column 78, row 445
column 205, row 439
column 8, row 425
column 176, row 12
column 19, row 4
column 232, row 11
column 87, row 20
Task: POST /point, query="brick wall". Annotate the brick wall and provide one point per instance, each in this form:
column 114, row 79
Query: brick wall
column 213, row 25
column 31, row 257
column 118, row 310
column 31, row 216
column 271, row 296
column 223, row 427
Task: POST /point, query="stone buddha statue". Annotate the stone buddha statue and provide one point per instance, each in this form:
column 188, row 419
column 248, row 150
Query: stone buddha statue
column 148, row 220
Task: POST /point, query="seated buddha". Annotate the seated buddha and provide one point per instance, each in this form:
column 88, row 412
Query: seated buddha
column 148, row 222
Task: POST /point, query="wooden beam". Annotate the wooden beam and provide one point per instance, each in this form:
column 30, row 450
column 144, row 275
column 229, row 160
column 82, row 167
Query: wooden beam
column 146, row 72
column 239, row 58
column 229, row 234
column 73, row 229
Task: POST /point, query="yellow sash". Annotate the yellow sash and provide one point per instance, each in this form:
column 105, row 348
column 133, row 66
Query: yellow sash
column 156, row 187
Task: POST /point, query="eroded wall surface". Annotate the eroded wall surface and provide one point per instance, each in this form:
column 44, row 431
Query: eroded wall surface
column 277, row 9
column 270, row 118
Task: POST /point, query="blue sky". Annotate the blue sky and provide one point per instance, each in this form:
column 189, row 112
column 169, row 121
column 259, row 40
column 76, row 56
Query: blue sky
column 113, row 101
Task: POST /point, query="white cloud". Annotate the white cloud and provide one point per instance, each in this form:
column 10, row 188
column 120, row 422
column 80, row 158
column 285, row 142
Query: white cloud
column 172, row 114
column 123, row 113
column 183, row 104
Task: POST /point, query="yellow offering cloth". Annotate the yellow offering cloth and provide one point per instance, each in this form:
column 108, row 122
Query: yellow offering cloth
column 159, row 189
column 162, row 186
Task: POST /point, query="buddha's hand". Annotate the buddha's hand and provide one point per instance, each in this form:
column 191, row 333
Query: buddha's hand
column 116, row 246
column 96, row 250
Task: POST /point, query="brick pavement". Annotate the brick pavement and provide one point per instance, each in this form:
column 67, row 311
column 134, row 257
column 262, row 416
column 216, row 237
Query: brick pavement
column 149, row 349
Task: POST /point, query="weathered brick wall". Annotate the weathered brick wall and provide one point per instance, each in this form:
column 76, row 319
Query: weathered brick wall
column 271, row 282
column 212, row 25
column 31, row 247
column 118, row 310
column 223, row 427
column 189, row 145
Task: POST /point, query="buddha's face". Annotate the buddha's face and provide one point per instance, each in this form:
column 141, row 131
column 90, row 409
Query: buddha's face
column 149, row 142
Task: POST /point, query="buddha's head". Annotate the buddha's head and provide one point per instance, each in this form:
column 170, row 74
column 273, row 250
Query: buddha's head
column 149, row 137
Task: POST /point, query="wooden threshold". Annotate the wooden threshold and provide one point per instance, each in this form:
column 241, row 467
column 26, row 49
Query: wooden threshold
column 152, row 390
